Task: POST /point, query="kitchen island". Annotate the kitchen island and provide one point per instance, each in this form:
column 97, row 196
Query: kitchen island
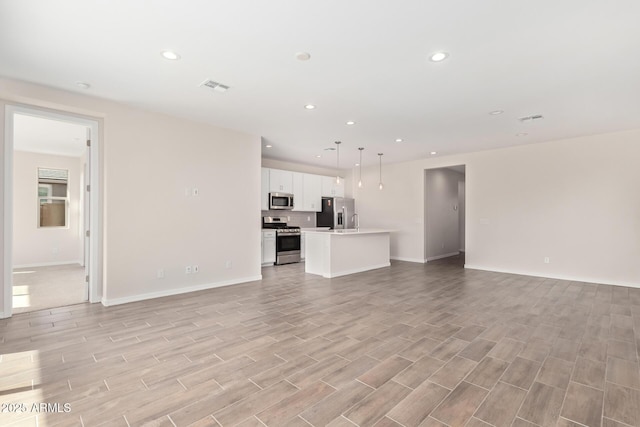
column 334, row 253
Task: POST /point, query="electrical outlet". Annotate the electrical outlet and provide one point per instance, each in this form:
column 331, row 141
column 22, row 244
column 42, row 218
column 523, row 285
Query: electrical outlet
column 547, row 260
column 228, row 264
column 196, row 269
column 308, row 218
column 187, row 269
column 160, row 273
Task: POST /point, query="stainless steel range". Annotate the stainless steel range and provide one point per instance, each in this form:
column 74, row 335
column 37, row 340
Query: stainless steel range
column 287, row 239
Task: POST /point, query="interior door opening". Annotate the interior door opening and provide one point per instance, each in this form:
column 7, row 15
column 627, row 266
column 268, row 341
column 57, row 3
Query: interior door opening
column 50, row 169
column 444, row 196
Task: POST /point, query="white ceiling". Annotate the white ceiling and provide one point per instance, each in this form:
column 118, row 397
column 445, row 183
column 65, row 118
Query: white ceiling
column 576, row 62
column 47, row 136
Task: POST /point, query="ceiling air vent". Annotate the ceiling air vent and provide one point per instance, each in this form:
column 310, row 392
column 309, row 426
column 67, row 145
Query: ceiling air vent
column 218, row 87
column 531, row 118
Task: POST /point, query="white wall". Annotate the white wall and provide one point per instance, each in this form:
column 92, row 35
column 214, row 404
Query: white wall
column 574, row 201
column 399, row 206
column 441, row 213
column 33, row 245
column 148, row 160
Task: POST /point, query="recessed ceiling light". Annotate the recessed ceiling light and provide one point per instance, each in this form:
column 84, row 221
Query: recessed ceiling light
column 433, row 153
column 170, row 55
column 357, row 164
column 522, row 134
column 351, row 122
column 399, row 140
column 309, row 106
column 438, row 56
column 318, row 156
column 268, row 146
column 83, row 85
column 303, row 56
column 496, row 112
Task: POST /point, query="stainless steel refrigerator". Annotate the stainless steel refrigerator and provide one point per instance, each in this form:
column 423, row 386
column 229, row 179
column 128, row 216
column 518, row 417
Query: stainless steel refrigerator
column 337, row 213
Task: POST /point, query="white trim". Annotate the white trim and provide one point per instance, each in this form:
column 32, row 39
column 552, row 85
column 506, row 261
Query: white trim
column 49, row 264
column 554, row 276
column 355, row 270
column 433, row 258
column 8, row 212
column 400, row 258
column 2, row 316
column 95, row 214
column 170, row 292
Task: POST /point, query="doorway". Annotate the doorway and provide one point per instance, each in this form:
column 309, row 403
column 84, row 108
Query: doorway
column 51, row 204
column 444, row 195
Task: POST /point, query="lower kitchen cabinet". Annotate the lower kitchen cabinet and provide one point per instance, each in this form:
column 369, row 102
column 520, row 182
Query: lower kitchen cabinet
column 301, row 246
column 268, row 247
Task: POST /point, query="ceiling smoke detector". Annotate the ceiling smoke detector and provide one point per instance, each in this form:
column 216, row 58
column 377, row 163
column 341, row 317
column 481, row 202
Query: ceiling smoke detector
column 218, row 87
column 531, row 118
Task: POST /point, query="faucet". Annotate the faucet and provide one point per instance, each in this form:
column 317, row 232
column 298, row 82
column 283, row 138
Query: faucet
column 356, row 219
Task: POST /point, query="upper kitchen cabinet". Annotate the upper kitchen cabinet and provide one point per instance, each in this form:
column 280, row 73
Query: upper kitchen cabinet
column 332, row 189
column 264, row 193
column 280, row 181
column 298, row 191
column 312, row 193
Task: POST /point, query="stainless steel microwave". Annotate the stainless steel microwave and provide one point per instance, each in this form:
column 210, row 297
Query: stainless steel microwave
column 280, row 201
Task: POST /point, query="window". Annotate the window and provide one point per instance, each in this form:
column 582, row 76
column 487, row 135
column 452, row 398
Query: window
column 53, row 197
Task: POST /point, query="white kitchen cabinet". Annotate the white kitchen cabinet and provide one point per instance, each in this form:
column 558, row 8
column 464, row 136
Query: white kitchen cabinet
column 280, row 181
column 264, row 193
column 298, row 191
column 332, row 189
column 312, row 201
column 302, row 247
column 268, row 247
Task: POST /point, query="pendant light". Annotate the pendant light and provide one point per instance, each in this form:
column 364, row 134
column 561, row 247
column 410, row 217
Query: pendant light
column 338, row 161
column 380, row 186
column 360, row 164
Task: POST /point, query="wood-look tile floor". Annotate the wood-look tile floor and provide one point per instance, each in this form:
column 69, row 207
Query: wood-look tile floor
column 409, row 345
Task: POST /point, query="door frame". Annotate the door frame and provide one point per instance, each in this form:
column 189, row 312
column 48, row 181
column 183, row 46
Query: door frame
column 95, row 237
column 425, row 196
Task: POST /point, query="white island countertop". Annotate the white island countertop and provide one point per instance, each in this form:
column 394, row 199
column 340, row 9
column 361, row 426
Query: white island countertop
column 334, row 253
column 347, row 231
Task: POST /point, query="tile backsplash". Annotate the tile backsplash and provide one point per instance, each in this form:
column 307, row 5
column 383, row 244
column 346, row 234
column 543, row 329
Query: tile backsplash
column 296, row 219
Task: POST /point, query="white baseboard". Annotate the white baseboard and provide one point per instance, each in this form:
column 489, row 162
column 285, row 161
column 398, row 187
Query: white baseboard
column 169, row 292
column 433, row 258
column 2, row 315
column 356, row 270
column 553, row 276
column 48, row 264
column 400, row 258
